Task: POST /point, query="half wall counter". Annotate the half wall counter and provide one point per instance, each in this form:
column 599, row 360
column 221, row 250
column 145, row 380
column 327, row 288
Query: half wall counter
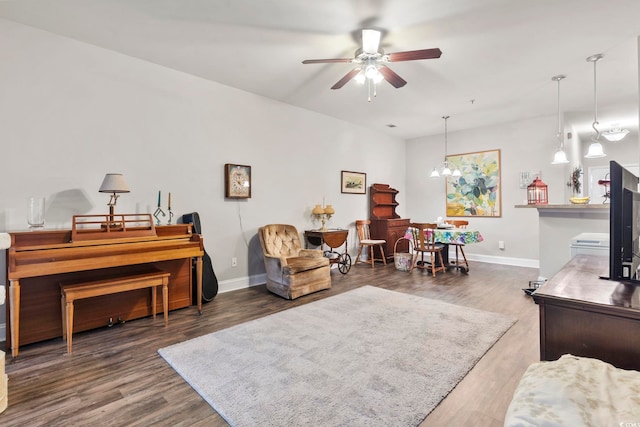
column 558, row 224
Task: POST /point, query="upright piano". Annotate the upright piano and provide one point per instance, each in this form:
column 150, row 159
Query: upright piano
column 38, row 261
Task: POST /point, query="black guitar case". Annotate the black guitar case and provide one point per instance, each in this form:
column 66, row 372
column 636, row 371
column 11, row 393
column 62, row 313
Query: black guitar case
column 209, row 279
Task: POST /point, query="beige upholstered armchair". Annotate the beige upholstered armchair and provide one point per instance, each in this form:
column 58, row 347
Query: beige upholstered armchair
column 292, row 271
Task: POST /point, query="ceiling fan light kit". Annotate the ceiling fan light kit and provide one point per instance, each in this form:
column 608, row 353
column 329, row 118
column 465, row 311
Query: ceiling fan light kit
column 372, row 73
column 370, row 41
column 370, row 63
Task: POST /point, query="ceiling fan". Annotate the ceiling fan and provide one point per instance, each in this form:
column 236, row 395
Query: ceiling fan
column 371, row 62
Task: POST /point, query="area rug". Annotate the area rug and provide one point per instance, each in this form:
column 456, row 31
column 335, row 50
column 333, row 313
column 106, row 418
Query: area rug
column 367, row 357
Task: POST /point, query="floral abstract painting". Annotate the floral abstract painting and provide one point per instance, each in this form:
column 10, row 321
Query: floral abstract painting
column 477, row 191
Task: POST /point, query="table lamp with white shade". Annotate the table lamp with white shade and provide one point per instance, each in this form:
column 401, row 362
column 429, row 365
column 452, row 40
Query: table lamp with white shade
column 115, row 184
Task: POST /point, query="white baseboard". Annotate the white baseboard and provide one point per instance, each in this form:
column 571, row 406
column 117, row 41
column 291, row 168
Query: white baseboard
column 241, row 283
column 491, row 259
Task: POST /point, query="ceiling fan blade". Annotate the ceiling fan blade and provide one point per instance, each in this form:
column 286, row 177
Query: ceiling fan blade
column 412, row 55
column 326, row 61
column 392, row 77
column 351, row 74
column 370, row 41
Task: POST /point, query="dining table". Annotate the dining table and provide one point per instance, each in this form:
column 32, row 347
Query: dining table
column 447, row 235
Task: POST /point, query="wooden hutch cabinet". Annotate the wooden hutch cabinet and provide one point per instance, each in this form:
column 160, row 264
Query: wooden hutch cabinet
column 385, row 222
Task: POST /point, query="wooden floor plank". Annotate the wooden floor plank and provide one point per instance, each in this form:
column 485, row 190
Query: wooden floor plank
column 115, row 376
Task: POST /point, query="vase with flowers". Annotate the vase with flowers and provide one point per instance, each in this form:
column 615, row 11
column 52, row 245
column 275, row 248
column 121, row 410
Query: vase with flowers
column 575, row 183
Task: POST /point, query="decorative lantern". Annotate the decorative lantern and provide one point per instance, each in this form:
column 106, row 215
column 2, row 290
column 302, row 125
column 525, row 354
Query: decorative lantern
column 537, row 193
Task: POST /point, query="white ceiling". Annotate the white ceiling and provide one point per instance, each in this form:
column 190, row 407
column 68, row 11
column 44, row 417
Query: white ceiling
column 497, row 62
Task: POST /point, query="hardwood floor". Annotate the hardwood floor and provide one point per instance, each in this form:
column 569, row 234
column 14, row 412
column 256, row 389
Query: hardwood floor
column 115, row 376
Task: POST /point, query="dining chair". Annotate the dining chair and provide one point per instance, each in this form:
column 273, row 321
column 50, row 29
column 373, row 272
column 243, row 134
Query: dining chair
column 459, row 223
column 364, row 237
column 425, row 242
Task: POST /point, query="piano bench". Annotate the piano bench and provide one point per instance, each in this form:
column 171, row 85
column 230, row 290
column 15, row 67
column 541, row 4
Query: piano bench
column 80, row 290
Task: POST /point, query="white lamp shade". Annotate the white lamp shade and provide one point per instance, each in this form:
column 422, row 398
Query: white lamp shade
column 456, row 172
column 560, row 158
column 595, row 151
column 370, row 41
column 114, row 183
column 371, row 71
column 434, row 173
column 615, row 134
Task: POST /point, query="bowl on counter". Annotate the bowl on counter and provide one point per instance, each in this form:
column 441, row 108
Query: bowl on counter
column 579, row 200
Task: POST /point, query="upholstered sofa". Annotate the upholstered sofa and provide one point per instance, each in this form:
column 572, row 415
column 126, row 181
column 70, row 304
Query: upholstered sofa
column 575, row 391
column 291, row 270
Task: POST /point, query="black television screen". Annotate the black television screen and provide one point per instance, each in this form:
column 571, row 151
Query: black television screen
column 624, row 214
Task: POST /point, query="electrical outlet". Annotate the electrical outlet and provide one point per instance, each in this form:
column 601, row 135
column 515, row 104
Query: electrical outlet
column 234, row 262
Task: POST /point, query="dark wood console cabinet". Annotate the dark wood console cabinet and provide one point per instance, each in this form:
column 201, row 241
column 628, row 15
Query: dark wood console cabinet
column 584, row 315
column 385, row 222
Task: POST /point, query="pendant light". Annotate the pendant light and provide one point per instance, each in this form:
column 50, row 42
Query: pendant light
column 615, row 134
column 446, row 171
column 595, row 149
column 560, row 157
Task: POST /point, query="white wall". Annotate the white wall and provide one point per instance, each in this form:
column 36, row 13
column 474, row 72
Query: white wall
column 523, row 147
column 71, row 112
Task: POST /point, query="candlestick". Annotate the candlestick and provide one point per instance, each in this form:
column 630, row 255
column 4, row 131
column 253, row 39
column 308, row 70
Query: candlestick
column 157, row 214
column 158, row 198
column 169, row 200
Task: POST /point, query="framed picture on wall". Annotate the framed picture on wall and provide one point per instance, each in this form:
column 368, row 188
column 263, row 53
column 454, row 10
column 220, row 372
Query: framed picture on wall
column 353, row 182
column 237, row 181
column 477, row 191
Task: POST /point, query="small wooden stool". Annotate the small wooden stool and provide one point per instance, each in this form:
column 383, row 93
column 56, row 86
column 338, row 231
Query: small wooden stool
column 80, row 290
